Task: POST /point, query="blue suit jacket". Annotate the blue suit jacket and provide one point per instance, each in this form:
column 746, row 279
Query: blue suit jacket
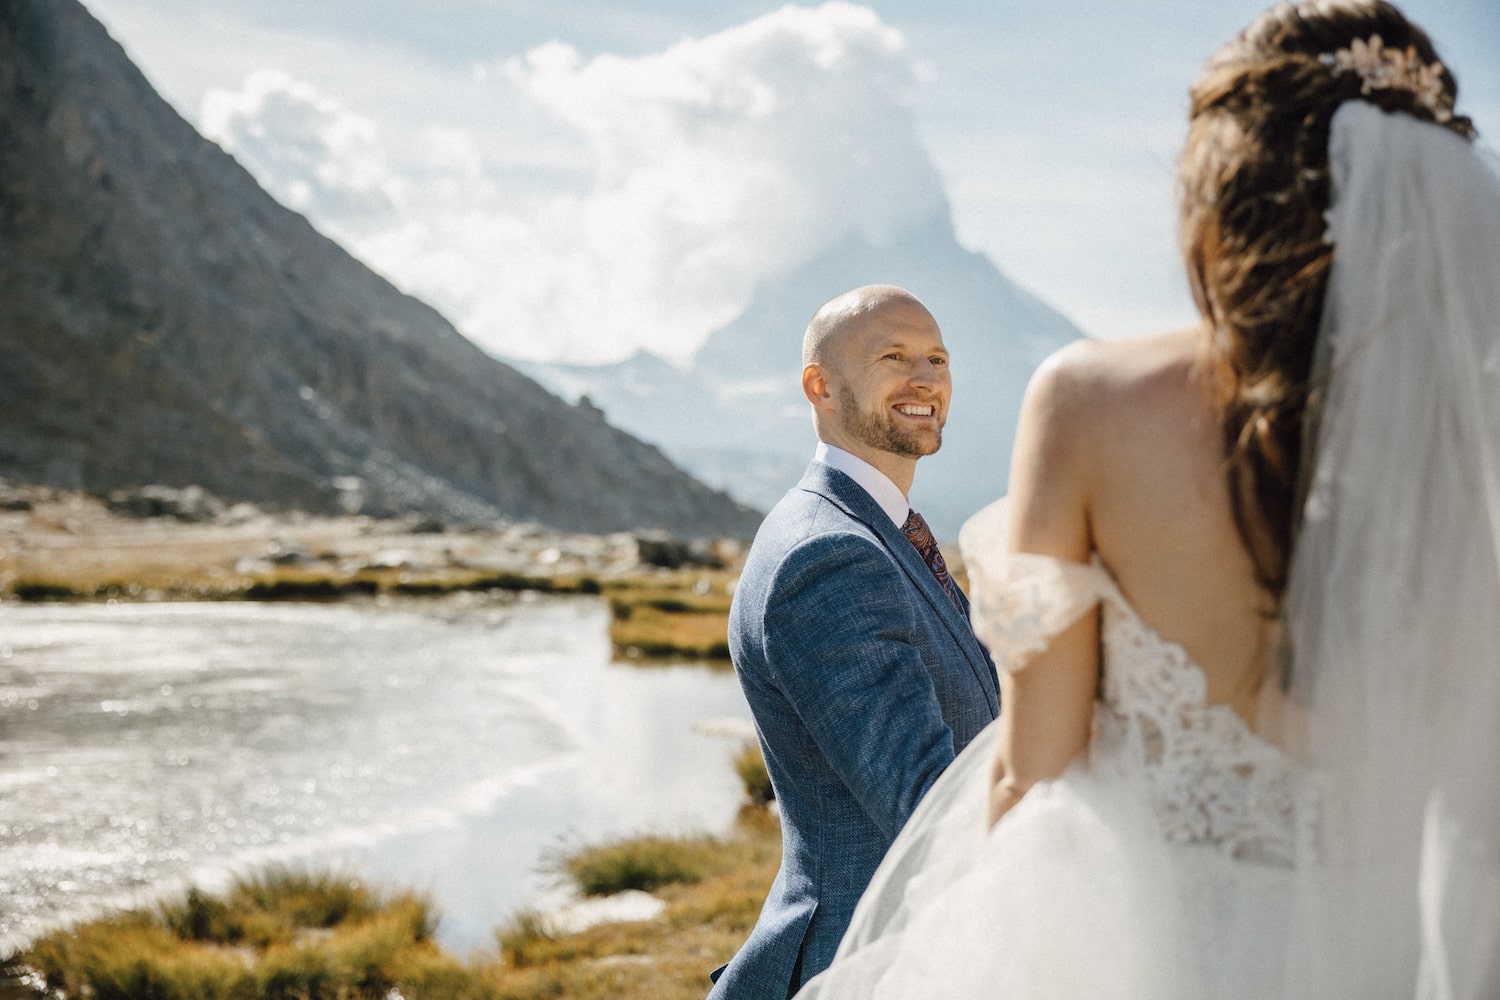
column 865, row 681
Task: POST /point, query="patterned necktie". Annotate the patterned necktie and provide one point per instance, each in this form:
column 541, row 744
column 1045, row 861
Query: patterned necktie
column 920, row 536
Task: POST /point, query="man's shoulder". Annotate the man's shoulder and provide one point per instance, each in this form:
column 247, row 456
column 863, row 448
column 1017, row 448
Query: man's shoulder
column 810, row 517
column 813, row 544
column 827, row 498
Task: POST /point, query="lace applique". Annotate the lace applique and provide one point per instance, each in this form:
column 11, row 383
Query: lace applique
column 1026, row 600
column 1019, row 601
column 1211, row 779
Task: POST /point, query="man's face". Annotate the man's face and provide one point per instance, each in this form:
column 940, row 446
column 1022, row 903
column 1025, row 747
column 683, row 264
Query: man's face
column 892, row 383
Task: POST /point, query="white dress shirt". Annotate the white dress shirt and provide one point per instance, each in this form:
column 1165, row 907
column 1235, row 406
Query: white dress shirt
column 874, row 482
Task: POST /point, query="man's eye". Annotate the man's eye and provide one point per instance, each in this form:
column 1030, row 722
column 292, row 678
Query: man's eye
column 938, row 360
column 893, row 356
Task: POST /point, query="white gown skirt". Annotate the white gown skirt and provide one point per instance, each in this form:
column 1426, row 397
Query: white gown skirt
column 1075, row 894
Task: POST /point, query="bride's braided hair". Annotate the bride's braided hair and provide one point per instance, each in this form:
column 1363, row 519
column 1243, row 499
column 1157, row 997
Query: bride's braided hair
column 1255, row 186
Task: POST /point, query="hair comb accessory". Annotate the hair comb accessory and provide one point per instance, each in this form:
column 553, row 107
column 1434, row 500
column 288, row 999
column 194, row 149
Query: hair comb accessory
column 1382, row 68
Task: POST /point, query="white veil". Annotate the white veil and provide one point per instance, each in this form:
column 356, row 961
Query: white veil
column 1393, row 608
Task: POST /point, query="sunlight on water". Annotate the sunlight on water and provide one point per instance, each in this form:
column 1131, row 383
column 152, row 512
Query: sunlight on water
column 442, row 745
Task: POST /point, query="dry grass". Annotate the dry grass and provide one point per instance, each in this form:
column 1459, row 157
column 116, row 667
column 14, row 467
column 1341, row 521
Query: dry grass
column 645, row 863
column 684, row 616
column 668, row 958
column 323, row 937
column 283, row 934
column 279, row 585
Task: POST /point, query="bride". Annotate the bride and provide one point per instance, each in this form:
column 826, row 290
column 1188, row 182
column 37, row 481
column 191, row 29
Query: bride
column 1245, row 591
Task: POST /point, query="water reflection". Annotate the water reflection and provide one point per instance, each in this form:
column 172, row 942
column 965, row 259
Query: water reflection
column 443, row 745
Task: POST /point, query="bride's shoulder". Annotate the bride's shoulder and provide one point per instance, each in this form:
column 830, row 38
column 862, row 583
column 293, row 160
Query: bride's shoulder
column 1092, row 415
column 1124, row 365
column 1094, row 379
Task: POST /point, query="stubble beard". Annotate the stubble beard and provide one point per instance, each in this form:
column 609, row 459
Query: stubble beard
column 879, row 431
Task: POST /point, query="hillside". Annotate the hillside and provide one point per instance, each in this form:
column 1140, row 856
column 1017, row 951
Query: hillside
column 164, row 320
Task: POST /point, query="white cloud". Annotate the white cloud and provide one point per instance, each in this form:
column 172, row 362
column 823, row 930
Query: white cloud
column 693, row 174
column 311, row 151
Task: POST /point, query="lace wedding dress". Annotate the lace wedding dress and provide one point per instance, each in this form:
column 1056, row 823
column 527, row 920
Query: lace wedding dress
column 1159, row 866
column 1184, row 857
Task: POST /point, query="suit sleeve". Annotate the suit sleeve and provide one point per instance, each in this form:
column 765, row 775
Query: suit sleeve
column 839, row 638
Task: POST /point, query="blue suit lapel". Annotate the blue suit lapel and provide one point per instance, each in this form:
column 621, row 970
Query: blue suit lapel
column 853, row 500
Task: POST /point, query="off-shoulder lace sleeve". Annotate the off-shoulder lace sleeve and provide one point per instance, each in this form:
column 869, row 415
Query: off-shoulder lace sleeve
column 1019, row 600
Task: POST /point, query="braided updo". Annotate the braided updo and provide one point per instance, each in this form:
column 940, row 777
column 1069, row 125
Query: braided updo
column 1255, row 185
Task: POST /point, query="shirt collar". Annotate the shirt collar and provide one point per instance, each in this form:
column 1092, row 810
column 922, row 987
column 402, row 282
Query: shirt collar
column 874, row 482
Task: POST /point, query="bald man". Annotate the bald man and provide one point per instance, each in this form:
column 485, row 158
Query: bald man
column 853, row 648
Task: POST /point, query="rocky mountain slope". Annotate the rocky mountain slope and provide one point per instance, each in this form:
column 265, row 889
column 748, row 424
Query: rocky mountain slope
column 162, row 319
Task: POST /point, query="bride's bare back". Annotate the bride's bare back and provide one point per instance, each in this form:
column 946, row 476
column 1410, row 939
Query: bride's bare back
column 1118, row 452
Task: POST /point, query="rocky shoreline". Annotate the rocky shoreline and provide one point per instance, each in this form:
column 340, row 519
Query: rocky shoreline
column 160, row 542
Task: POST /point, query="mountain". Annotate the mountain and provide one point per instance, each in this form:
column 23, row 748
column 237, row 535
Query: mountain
column 735, row 415
column 164, row 320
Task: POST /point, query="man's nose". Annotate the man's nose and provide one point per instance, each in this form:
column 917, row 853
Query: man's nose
column 923, row 373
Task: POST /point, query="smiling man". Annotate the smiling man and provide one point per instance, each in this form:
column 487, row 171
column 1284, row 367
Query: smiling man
column 849, row 638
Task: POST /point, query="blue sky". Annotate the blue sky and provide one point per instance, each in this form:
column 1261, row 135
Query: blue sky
column 573, row 180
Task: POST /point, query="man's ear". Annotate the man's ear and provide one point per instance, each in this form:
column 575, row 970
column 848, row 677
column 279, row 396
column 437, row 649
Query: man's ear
column 815, row 385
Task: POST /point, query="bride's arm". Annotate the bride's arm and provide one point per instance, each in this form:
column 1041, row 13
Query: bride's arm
column 1047, row 708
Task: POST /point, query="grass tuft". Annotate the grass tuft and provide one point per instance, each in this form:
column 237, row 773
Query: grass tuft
column 282, row 934
column 750, row 765
column 41, row 590
column 645, row 863
column 510, row 581
column 314, row 588
column 524, row 939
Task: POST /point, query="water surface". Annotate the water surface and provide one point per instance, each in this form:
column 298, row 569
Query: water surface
column 446, row 745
